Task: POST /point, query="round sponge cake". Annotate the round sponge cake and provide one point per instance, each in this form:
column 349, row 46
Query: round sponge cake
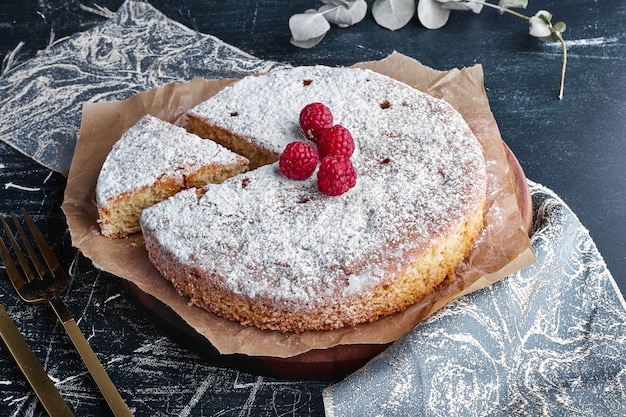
column 278, row 254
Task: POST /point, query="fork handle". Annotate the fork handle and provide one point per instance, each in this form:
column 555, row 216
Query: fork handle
column 104, row 383
column 31, row 367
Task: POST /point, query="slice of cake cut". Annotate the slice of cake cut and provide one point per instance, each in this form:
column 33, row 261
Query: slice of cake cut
column 278, row 254
column 152, row 161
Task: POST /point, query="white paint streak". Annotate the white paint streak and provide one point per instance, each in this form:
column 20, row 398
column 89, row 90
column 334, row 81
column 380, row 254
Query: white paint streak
column 591, row 41
column 71, row 378
column 54, row 379
column 206, row 384
column 247, row 407
column 254, row 16
column 599, row 41
column 73, row 269
column 238, row 385
column 20, row 187
column 111, row 298
column 18, row 400
column 93, row 333
column 48, row 177
column 89, row 300
column 151, row 346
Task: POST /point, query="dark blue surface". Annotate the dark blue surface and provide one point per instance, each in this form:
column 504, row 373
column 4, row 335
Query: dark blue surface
column 574, row 146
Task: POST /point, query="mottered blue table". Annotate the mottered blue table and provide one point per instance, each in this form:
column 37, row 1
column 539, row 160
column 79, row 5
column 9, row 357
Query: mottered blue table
column 574, row 146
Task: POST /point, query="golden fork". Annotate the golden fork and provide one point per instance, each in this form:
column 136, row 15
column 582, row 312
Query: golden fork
column 47, row 286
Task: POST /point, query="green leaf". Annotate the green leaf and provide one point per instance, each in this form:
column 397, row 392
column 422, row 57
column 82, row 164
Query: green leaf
column 509, row 4
column 307, row 26
column 539, row 28
column 544, row 15
column 431, row 14
column 308, row 43
column 344, row 16
column 358, row 10
column 393, row 14
column 337, row 15
column 560, row 27
column 344, row 3
column 461, row 5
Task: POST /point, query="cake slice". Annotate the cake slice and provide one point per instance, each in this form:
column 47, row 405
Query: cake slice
column 152, row 161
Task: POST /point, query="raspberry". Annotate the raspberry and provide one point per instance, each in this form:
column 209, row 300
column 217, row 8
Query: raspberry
column 336, row 175
column 298, row 161
column 314, row 118
column 335, row 141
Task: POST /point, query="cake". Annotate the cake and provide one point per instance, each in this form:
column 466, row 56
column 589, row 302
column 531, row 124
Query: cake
column 275, row 253
column 152, row 161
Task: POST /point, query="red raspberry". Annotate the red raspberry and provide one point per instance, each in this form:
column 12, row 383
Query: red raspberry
column 314, row 118
column 336, row 175
column 298, row 161
column 335, row 141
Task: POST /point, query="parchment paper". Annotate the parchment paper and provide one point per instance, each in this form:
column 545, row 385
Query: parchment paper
column 137, row 49
column 502, row 249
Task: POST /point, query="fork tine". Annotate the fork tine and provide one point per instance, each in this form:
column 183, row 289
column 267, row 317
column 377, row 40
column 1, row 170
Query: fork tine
column 29, row 287
column 44, row 248
column 30, row 276
column 18, row 282
column 36, row 262
column 11, row 268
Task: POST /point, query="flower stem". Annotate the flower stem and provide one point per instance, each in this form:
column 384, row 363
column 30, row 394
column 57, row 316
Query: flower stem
column 558, row 35
column 502, row 9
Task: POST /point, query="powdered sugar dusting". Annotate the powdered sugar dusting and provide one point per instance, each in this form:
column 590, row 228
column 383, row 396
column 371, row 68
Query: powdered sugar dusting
column 152, row 148
column 419, row 172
